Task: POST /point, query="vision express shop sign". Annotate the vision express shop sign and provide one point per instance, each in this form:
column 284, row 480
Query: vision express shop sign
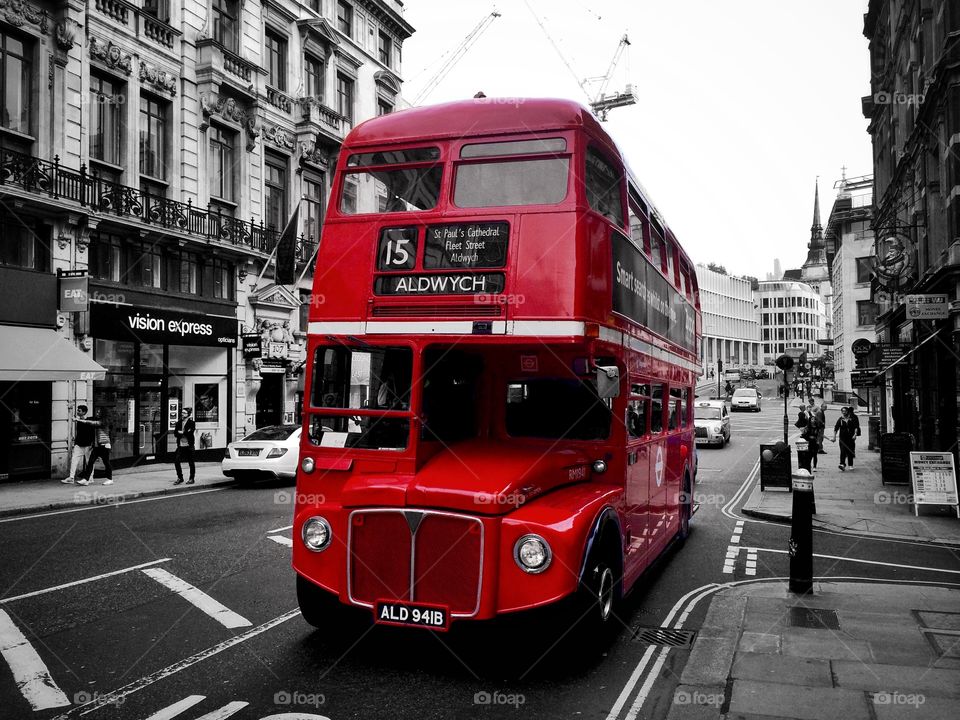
column 643, row 295
column 156, row 325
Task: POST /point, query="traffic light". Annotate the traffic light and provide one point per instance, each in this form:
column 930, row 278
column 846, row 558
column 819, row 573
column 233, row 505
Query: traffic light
column 719, row 365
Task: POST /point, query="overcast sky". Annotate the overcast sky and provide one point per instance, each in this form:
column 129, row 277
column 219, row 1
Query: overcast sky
column 742, row 104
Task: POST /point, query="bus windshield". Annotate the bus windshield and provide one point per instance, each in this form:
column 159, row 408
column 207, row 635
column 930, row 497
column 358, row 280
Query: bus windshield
column 378, row 183
column 557, row 409
column 347, row 378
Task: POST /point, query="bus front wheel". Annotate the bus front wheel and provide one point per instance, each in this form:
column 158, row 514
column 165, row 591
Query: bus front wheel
column 686, row 509
column 600, row 590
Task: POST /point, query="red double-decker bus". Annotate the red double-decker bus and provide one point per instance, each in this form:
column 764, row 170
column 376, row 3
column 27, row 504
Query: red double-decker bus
column 502, row 350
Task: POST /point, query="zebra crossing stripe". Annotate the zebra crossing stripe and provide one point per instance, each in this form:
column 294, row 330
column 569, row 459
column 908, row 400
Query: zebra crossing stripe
column 29, row 672
column 199, row 599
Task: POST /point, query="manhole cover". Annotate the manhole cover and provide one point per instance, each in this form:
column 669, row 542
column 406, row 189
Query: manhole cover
column 664, row 636
column 818, row 618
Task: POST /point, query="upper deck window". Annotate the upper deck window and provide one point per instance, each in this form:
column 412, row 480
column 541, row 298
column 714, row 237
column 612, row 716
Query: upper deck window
column 603, row 187
column 498, row 183
column 380, row 185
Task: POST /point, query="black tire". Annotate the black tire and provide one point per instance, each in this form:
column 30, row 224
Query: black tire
column 600, row 593
column 317, row 606
column 686, row 510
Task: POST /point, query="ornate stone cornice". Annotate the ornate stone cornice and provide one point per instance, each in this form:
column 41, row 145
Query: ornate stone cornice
column 159, row 78
column 16, row 12
column 310, row 153
column 65, row 34
column 228, row 109
column 110, row 55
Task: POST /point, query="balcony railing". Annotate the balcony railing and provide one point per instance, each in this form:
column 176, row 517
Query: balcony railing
column 150, row 22
column 110, row 198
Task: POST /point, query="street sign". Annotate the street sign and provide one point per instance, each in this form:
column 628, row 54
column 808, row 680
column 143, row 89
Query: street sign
column 934, row 480
column 863, row 378
column 72, row 293
column 891, row 352
column 927, row 307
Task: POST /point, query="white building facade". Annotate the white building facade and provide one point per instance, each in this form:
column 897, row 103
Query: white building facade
column 792, row 315
column 162, row 147
column 731, row 325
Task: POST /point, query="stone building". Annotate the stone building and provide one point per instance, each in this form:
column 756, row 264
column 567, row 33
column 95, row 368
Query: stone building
column 731, row 325
column 914, row 122
column 791, row 316
column 162, row 146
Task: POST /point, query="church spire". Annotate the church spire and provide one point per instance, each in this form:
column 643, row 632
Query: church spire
column 816, row 227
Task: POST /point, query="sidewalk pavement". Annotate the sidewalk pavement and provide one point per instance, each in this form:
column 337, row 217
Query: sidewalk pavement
column 128, row 483
column 856, row 501
column 851, row 650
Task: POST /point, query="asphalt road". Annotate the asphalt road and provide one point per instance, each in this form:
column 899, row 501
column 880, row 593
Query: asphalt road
column 184, row 607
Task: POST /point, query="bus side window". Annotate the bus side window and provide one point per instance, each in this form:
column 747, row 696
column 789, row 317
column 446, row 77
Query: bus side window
column 656, row 409
column 637, row 417
column 674, row 409
column 603, row 183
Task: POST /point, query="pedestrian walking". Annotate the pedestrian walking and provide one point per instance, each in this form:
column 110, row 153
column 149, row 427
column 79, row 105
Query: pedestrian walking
column 811, row 433
column 83, row 439
column 184, row 432
column 728, row 389
column 821, row 413
column 100, row 450
column 847, row 430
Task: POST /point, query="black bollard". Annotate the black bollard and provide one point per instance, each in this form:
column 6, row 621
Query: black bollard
column 801, row 537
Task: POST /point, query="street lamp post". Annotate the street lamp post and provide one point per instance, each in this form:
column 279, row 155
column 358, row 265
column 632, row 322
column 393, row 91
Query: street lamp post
column 785, row 363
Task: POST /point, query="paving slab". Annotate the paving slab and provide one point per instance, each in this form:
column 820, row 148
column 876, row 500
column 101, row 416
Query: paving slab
column 759, row 642
column 903, row 679
column 782, row 700
column 825, row 645
column 781, row 669
column 907, row 708
column 940, row 620
column 725, row 611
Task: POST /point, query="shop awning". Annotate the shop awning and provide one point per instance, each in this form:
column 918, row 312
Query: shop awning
column 41, row 355
column 907, row 354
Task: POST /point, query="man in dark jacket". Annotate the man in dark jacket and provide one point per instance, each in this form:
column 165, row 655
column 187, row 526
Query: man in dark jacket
column 184, row 433
column 83, row 438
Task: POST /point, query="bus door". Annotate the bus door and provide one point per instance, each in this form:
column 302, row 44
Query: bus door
column 658, row 474
column 637, row 468
column 676, row 428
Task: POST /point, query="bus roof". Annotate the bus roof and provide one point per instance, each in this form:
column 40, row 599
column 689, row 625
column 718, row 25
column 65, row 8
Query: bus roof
column 477, row 116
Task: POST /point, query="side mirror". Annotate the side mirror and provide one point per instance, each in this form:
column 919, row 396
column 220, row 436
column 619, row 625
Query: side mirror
column 608, row 381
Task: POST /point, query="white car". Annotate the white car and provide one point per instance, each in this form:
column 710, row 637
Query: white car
column 746, row 399
column 270, row 452
column 711, row 422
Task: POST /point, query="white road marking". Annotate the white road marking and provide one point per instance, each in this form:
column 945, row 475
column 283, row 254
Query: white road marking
column 81, row 582
column 119, row 503
column 281, row 540
column 178, row 707
column 130, row 688
column 199, row 599
column 225, row 712
column 285, row 527
column 867, row 562
column 751, row 568
column 29, row 672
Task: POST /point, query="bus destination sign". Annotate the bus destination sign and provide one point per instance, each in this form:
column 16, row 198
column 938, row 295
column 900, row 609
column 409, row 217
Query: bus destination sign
column 440, row 284
column 466, row 245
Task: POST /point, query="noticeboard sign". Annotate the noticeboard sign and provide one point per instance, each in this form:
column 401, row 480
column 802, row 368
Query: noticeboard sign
column 934, row 479
column 72, row 294
column 863, row 378
column 927, row 307
column 891, row 352
column 778, row 471
column 895, row 451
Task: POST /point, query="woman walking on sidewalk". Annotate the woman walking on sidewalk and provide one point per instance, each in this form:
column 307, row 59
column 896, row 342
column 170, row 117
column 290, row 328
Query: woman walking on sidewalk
column 848, row 429
column 100, row 450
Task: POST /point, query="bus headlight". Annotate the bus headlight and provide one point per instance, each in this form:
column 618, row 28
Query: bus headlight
column 532, row 554
column 599, row 467
column 307, row 465
column 316, row 534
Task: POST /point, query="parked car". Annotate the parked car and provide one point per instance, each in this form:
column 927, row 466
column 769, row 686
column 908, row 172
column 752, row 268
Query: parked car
column 711, row 422
column 269, row 452
column 746, row 398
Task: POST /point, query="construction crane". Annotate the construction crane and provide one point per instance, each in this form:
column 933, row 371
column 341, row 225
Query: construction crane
column 601, row 104
column 464, row 46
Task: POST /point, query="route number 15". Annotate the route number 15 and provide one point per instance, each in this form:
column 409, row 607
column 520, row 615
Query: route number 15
column 398, row 249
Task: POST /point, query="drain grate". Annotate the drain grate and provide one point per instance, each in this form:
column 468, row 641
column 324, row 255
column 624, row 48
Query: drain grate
column 663, row 636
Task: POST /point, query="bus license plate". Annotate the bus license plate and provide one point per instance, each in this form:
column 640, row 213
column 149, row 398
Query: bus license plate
column 433, row 617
